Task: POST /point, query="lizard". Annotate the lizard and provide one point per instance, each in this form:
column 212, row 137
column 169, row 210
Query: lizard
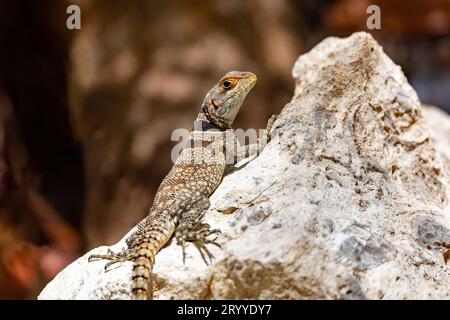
column 182, row 198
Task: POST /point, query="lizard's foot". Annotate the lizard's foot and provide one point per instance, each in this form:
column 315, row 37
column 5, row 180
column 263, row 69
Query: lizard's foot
column 115, row 257
column 198, row 235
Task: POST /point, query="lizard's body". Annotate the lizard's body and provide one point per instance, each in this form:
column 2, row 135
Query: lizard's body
column 183, row 196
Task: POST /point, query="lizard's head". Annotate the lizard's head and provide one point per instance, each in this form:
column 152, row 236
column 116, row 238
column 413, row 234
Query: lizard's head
column 223, row 101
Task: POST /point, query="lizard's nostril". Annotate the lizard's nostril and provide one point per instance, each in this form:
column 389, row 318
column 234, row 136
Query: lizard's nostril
column 251, row 75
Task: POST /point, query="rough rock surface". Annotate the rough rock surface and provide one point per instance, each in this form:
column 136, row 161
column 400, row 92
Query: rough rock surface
column 438, row 123
column 350, row 200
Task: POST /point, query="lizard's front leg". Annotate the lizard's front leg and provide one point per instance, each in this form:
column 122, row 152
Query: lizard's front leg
column 268, row 130
column 191, row 228
column 249, row 150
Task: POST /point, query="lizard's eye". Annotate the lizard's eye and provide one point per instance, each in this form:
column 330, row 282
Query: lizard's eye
column 229, row 83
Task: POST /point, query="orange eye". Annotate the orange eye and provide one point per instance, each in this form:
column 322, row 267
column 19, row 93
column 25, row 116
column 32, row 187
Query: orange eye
column 228, row 83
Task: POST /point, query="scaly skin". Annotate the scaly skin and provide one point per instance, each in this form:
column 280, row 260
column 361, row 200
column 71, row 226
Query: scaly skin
column 183, row 196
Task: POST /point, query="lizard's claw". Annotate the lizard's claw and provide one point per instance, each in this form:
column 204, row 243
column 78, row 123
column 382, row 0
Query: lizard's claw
column 124, row 255
column 198, row 235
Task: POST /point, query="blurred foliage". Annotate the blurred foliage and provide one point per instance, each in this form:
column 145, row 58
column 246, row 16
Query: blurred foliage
column 86, row 115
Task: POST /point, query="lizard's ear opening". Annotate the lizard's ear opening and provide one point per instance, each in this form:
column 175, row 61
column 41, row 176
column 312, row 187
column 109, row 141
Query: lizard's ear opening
column 214, row 105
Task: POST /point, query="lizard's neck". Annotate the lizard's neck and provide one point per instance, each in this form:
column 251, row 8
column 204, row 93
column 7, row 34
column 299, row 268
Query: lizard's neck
column 202, row 123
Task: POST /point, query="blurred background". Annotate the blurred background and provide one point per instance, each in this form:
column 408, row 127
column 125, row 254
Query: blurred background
column 86, row 115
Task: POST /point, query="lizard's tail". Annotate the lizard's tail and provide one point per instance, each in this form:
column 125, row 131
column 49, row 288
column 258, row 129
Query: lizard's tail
column 152, row 241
